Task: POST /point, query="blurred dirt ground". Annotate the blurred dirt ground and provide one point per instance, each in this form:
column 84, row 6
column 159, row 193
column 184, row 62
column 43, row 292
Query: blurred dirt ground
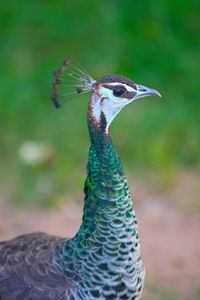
column 169, row 227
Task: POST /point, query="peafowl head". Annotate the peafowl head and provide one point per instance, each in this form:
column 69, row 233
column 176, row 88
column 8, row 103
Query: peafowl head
column 109, row 95
column 113, row 92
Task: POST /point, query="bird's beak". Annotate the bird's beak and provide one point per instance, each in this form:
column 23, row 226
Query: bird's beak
column 143, row 91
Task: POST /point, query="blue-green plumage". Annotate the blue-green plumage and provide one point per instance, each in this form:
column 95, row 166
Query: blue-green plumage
column 106, row 247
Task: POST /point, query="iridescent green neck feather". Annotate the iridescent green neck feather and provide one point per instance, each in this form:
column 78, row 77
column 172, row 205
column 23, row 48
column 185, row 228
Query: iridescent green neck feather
column 106, row 245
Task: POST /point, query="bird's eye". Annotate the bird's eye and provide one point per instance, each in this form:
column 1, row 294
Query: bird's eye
column 119, row 91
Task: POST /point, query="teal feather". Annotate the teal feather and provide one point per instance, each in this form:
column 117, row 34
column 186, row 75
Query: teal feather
column 105, row 251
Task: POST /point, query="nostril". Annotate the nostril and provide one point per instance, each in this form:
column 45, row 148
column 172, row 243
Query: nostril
column 142, row 90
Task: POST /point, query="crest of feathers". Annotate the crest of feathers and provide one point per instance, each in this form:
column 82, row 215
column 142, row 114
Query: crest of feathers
column 70, row 80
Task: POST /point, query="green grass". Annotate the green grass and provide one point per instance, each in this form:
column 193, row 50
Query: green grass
column 155, row 43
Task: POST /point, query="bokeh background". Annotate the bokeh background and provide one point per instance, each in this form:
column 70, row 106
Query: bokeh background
column 43, row 151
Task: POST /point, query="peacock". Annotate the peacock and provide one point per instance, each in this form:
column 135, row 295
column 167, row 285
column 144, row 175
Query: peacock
column 102, row 261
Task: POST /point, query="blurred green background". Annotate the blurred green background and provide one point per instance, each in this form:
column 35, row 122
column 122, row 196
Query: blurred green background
column 155, row 43
column 43, row 151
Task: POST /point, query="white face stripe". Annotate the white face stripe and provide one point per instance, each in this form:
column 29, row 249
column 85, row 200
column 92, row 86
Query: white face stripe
column 128, row 87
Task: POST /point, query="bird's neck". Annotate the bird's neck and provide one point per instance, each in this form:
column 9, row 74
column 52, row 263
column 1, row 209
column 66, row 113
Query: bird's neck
column 105, row 180
column 107, row 238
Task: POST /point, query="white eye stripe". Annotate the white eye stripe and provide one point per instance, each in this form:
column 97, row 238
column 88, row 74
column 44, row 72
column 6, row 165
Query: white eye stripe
column 127, row 87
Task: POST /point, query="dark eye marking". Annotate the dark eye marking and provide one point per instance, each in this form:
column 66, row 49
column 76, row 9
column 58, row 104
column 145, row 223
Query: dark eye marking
column 119, row 91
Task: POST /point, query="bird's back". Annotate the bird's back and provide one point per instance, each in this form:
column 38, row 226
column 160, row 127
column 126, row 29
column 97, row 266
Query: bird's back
column 28, row 269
